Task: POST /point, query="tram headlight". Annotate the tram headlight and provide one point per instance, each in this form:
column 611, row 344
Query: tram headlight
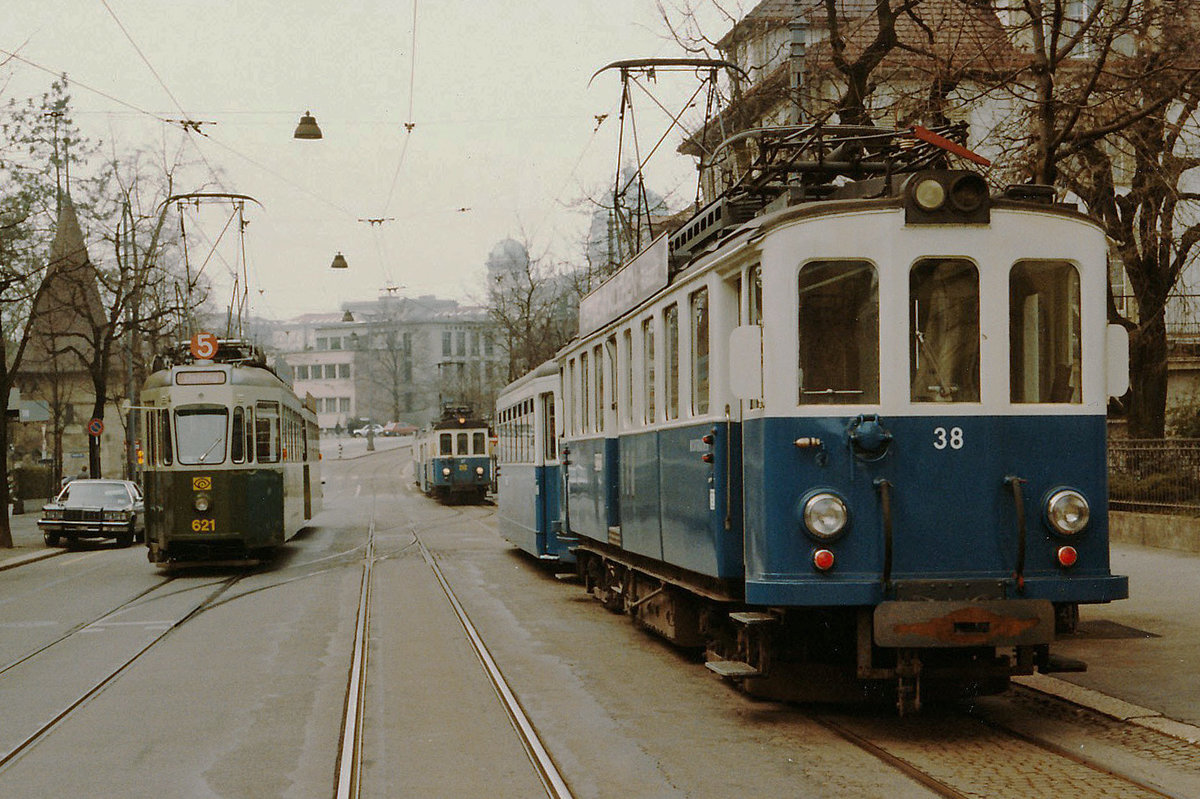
column 201, row 502
column 445, row 471
column 1067, row 511
column 930, row 194
column 479, row 471
column 825, row 515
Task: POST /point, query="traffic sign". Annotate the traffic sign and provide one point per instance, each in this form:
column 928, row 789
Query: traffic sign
column 204, row 346
column 95, row 427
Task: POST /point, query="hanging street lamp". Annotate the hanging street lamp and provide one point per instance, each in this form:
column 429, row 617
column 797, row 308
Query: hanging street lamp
column 307, row 129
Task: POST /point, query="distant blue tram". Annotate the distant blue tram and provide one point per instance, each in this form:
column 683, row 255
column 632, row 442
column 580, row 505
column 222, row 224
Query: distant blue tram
column 530, row 512
column 452, row 460
column 855, row 442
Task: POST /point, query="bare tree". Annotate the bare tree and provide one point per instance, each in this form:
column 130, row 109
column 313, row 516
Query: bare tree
column 534, row 305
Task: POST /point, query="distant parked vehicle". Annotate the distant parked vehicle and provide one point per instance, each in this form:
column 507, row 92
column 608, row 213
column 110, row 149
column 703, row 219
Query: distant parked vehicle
column 399, row 429
column 94, row 509
column 361, row 432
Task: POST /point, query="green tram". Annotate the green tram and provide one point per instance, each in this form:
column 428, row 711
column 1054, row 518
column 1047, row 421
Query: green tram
column 232, row 457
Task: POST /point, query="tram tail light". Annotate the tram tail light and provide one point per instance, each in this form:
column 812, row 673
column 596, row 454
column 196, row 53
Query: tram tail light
column 823, row 560
column 1067, row 556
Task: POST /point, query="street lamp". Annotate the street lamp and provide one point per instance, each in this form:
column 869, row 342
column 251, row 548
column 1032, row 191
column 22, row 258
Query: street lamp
column 307, row 129
column 339, row 262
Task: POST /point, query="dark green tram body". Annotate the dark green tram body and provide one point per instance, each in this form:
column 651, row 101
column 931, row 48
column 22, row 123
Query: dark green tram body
column 232, row 462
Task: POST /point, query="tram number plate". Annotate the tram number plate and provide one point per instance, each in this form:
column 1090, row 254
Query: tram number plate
column 204, row 525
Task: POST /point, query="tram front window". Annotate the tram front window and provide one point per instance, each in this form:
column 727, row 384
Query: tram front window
column 839, row 333
column 200, row 432
column 944, row 330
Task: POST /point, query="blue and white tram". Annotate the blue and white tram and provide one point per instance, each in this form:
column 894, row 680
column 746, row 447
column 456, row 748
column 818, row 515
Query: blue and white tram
column 529, row 470
column 452, row 460
column 861, row 438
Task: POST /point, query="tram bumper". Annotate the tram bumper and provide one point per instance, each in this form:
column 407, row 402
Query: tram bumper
column 947, row 623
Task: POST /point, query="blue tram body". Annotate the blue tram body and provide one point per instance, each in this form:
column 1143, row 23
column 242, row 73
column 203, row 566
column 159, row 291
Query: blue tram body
column 861, row 438
column 452, row 460
column 530, row 473
column 232, row 458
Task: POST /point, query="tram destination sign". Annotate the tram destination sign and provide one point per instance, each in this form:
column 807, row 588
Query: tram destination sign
column 638, row 280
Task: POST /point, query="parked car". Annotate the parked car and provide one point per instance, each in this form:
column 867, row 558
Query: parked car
column 95, row 509
column 399, row 429
column 375, row 429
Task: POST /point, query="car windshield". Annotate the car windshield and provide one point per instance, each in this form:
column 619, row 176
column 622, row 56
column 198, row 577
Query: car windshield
column 83, row 492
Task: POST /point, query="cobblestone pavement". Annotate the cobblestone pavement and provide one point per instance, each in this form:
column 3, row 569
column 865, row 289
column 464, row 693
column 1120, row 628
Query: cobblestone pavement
column 984, row 760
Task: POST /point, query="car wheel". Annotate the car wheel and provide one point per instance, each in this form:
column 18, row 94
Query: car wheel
column 51, row 539
column 126, row 538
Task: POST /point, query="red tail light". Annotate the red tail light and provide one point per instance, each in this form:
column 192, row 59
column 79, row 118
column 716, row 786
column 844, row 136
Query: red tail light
column 823, row 560
column 1067, row 556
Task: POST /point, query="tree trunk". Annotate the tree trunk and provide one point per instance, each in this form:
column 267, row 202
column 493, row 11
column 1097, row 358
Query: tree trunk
column 1148, row 379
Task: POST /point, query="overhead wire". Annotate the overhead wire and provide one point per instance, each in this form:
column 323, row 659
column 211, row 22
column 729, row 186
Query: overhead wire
column 409, row 125
column 189, row 129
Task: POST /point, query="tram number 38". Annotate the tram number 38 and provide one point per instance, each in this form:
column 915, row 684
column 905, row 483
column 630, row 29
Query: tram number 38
column 952, row 438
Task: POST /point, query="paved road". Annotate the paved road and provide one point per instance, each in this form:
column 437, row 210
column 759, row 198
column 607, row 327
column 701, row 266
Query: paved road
column 246, row 698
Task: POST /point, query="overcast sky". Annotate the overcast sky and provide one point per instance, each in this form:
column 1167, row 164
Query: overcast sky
column 504, row 123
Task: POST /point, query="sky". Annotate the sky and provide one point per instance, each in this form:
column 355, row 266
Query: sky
column 504, row 144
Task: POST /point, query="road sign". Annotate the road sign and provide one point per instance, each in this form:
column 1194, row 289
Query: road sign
column 95, row 427
column 204, row 346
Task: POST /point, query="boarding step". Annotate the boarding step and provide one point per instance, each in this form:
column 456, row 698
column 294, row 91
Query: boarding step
column 732, row 669
column 749, row 617
column 1058, row 663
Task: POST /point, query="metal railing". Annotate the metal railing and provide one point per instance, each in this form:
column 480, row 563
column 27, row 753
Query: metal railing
column 1154, row 475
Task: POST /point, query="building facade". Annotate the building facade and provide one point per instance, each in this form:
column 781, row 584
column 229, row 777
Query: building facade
column 391, row 359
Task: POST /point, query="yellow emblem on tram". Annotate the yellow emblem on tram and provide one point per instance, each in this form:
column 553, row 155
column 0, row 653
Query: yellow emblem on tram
column 201, row 483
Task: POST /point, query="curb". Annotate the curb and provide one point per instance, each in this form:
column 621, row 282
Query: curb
column 21, row 560
column 1110, row 706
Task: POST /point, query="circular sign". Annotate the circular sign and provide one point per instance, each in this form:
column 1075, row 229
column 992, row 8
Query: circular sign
column 96, row 427
column 204, row 346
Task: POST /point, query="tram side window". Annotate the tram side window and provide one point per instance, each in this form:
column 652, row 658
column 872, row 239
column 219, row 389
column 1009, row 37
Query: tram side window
column 266, row 432
column 446, row 444
column 237, row 441
column 201, row 431
column 648, row 370
column 548, row 434
column 754, row 307
column 671, row 354
column 839, row 332
column 627, row 395
column 585, row 388
column 150, row 425
column 601, row 404
column 944, row 330
column 699, row 317
column 249, row 435
column 478, row 444
column 1045, row 350
column 164, row 436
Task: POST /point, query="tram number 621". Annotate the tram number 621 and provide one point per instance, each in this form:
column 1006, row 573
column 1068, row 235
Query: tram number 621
column 952, row 438
column 204, row 525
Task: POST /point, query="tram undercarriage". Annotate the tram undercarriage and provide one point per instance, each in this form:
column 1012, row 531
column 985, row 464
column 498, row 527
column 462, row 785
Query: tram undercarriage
column 824, row 654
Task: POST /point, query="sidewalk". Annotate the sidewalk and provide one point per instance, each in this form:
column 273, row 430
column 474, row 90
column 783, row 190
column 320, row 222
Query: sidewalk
column 28, row 545
column 347, row 447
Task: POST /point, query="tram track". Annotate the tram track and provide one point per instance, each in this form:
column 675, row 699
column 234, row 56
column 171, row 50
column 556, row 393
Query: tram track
column 350, row 752
column 64, row 712
column 960, row 756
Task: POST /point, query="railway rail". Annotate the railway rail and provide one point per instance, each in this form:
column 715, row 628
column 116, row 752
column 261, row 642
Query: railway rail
column 31, row 739
column 962, row 756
